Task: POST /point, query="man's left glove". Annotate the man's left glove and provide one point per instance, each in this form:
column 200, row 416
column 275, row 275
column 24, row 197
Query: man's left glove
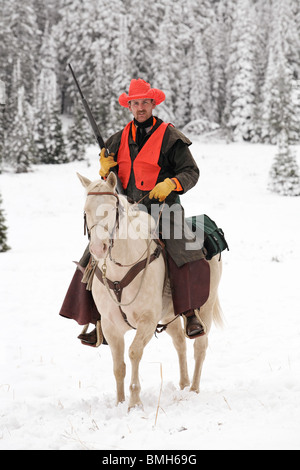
column 106, row 163
column 162, row 190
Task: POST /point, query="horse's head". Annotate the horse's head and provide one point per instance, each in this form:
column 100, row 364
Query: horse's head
column 101, row 213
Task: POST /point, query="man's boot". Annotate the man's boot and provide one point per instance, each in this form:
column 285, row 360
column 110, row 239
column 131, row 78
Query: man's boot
column 94, row 338
column 193, row 326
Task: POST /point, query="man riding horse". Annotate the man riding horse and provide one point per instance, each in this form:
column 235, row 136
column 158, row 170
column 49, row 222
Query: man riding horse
column 153, row 161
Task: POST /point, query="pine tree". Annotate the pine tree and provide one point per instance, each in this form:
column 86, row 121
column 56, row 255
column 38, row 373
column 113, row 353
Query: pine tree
column 77, row 136
column 277, row 107
column 49, row 137
column 144, row 22
column 41, row 139
column 219, row 59
column 19, row 148
column 18, row 51
column 20, row 143
column 2, row 134
column 100, row 102
column 119, row 67
column 164, row 72
column 57, row 147
column 241, row 74
column 284, row 177
column 182, row 106
column 3, row 230
column 200, row 93
column 280, row 109
column 263, row 17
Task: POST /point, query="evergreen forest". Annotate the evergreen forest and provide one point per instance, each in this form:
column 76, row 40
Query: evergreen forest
column 229, row 66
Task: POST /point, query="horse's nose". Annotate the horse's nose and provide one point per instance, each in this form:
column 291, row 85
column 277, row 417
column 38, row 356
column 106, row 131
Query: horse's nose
column 98, row 250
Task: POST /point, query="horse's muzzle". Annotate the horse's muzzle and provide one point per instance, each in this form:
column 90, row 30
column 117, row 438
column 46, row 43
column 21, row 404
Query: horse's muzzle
column 99, row 249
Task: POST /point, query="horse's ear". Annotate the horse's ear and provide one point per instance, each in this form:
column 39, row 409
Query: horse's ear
column 112, row 179
column 84, row 181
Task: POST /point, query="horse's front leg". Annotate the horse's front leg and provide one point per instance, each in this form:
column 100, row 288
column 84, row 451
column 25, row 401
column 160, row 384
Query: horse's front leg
column 145, row 331
column 200, row 346
column 117, row 345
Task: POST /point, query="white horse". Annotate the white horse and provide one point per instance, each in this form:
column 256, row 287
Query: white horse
column 120, row 238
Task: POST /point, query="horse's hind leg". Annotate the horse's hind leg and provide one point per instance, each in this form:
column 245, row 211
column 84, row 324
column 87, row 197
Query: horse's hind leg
column 175, row 330
column 144, row 333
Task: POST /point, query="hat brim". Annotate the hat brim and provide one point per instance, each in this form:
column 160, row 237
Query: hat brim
column 154, row 94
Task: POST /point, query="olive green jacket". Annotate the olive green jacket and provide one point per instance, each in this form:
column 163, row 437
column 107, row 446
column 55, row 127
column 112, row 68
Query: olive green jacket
column 175, row 161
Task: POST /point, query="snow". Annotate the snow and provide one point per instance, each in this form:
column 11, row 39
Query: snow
column 56, row 394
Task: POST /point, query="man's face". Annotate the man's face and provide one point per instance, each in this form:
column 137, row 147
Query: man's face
column 141, row 109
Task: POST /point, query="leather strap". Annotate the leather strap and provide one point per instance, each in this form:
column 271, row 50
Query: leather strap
column 102, row 193
column 118, row 286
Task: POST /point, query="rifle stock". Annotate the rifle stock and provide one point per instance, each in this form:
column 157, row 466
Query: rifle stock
column 95, row 128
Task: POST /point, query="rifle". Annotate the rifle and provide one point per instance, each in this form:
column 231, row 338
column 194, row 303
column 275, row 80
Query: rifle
column 95, row 129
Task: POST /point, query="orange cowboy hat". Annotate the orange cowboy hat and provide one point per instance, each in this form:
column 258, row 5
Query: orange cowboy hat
column 139, row 89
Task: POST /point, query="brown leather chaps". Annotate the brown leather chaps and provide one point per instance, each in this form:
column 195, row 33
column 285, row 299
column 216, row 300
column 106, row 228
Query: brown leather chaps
column 189, row 284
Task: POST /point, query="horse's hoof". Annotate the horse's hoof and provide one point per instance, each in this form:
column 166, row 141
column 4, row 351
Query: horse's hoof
column 185, row 385
column 137, row 406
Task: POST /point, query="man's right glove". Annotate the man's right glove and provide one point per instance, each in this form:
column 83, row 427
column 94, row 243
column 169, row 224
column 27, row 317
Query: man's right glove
column 106, row 163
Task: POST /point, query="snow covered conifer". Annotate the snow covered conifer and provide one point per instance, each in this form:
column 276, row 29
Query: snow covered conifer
column 57, row 147
column 49, row 136
column 241, row 74
column 19, row 143
column 77, row 136
column 280, row 109
column 2, row 134
column 3, row 230
column 284, row 174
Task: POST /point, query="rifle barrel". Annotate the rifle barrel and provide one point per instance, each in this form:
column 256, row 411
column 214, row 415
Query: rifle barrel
column 89, row 113
column 76, row 82
column 95, row 128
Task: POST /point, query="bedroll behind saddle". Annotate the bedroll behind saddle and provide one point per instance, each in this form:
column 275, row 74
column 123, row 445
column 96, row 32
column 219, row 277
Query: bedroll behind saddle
column 214, row 239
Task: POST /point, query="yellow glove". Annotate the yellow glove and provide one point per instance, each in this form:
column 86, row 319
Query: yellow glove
column 106, row 163
column 162, row 190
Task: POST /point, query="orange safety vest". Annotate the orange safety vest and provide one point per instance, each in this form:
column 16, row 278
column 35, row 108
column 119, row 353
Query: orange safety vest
column 145, row 165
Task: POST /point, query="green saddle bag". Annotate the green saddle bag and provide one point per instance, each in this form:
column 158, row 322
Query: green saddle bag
column 214, row 239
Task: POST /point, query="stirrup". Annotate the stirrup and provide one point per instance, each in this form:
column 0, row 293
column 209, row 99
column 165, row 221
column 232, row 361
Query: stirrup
column 99, row 336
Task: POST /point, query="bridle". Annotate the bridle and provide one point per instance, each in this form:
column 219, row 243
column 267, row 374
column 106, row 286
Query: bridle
column 87, row 230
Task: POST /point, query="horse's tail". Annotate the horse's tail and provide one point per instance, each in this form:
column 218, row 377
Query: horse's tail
column 218, row 314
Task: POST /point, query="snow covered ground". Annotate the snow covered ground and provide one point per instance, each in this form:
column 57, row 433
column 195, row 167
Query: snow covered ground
column 57, row 394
